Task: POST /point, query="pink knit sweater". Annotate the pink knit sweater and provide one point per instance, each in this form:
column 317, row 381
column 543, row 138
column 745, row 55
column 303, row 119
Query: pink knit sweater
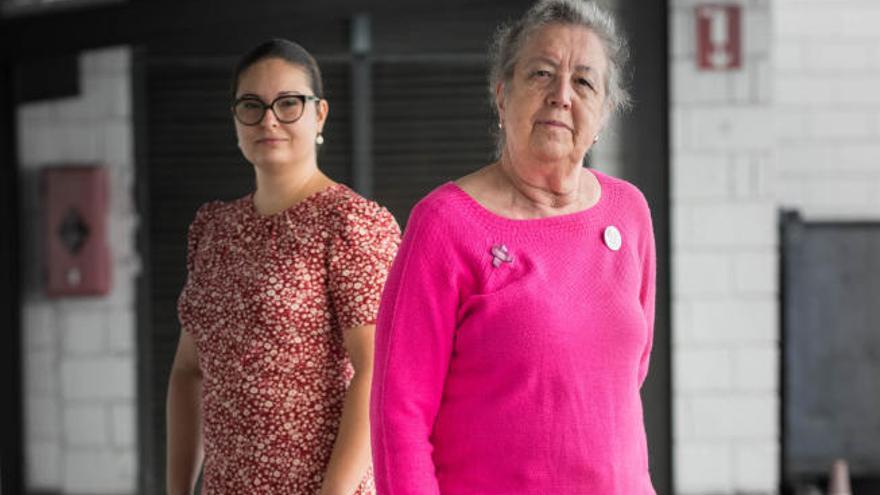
column 515, row 370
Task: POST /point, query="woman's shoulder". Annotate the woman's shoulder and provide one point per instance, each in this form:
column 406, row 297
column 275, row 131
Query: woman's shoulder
column 625, row 195
column 348, row 209
column 447, row 202
column 213, row 210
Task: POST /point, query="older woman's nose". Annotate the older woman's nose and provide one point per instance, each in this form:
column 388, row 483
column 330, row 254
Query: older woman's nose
column 560, row 94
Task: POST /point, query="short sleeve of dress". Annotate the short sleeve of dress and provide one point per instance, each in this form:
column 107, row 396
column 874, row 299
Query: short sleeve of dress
column 196, row 228
column 360, row 256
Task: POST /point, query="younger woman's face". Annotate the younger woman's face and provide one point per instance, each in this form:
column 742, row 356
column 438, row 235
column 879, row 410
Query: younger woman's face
column 272, row 145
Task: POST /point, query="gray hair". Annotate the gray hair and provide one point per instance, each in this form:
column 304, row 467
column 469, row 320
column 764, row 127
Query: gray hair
column 509, row 39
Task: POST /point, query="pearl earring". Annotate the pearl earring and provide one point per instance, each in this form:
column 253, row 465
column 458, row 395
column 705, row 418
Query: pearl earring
column 500, row 125
column 596, row 139
column 319, row 139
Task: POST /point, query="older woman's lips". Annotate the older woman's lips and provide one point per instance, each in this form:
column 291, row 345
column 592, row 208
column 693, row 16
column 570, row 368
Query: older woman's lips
column 554, row 123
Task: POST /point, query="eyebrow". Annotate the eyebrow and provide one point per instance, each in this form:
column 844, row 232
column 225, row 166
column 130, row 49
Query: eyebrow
column 280, row 93
column 550, row 61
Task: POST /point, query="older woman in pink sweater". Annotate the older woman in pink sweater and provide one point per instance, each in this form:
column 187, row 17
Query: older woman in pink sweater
column 516, row 324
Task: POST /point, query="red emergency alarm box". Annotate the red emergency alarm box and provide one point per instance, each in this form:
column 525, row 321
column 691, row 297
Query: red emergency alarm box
column 77, row 256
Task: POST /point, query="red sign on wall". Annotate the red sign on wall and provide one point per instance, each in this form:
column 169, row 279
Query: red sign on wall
column 719, row 40
column 77, row 256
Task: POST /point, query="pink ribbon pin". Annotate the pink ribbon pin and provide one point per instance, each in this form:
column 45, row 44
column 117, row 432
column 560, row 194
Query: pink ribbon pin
column 500, row 254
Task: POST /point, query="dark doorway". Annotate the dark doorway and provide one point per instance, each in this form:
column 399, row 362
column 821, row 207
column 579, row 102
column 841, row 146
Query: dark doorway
column 831, row 352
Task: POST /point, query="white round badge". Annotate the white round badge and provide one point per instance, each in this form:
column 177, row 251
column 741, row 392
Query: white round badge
column 612, row 238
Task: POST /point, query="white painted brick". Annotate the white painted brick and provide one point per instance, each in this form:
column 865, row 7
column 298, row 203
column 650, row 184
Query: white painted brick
column 99, row 471
column 42, row 421
column 680, row 127
column 699, row 274
column 860, row 20
column 761, row 81
column 106, row 61
column 739, row 84
column 703, row 468
column 743, row 181
column 756, row 369
column 118, row 149
column 690, row 85
column 846, row 56
column 856, row 157
column 683, row 34
column 728, row 416
column 36, row 144
column 39, row 326
column 121, row 331
column 108, row 96
column 733, row 224
column 729, row 128
column 756, row 31
column 766, row 170
column 682, row 224
column 840, row 192
column 74, row 110
column 756, row 272
column 124, row 431
column 78, row 142
column 43, row 465
column 98, row 378
column 683, row 415
column 788, row 55
column 682, row 328
column 827, row 91
column 33, row 114
column 84, row 332
column 86, row 425
column 756, row 467
column 735, row 321
column 702, row 370
column 830, row 124
column 700, row 176
column 792, row 125
column 41, row 373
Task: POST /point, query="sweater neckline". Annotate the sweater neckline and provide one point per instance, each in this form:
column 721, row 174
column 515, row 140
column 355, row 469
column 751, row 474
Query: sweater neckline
column 587, row 215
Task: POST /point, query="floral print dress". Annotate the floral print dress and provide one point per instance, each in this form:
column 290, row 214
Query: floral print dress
column 267, row 300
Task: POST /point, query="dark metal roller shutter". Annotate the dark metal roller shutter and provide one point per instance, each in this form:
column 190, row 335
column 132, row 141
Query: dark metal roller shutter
column 431, row 124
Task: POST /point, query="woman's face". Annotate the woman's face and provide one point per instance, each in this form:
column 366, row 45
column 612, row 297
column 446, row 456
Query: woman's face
column 270, row 144
column 555, row 104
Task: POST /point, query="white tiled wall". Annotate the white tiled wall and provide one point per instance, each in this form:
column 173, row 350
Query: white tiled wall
column 796, row 127
column 79, row 352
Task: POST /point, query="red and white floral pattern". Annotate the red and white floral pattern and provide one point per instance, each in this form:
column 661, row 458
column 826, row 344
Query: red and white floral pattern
column 267, row 301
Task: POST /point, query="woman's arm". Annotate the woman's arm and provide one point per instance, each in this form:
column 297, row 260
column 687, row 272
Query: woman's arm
column 184, row 421
column 414, row 340
column 351, row 452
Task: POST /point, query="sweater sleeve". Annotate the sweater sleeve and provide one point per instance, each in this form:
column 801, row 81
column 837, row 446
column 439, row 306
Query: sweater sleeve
column 414, row 339
column 648, row 259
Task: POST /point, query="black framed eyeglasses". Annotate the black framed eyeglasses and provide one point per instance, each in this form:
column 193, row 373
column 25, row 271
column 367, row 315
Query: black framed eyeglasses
column 250, row 110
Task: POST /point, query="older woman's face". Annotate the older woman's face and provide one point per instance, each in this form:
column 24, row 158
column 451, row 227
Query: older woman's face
column 555, row 105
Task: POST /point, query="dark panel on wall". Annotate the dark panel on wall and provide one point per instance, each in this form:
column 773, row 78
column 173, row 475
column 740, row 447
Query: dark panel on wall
column 11, row 464
column 831, row 350
column 432, row 125
column 644, row 152
column 47, row 78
